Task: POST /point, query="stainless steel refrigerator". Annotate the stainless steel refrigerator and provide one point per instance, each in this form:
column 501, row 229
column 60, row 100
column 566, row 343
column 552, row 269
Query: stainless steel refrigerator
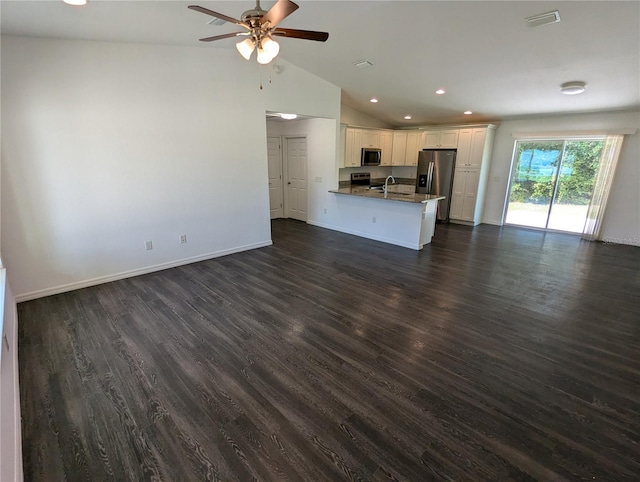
column 435, row 176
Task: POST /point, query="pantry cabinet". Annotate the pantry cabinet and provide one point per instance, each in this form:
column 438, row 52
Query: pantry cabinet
column 470, row 174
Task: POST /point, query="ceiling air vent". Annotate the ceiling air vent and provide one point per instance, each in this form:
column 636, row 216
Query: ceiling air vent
column 543, row 19
column 216, row 21
column 363, row 64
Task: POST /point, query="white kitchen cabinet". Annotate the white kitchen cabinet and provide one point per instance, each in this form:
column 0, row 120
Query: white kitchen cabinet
column 386, row 144
column 471, row 143
column 353, row 147
column 406, row 146
column 470, row 174
column 370, row 138
column 464, row 194
column 399, row 151
column 414, row 141
column 441, row 139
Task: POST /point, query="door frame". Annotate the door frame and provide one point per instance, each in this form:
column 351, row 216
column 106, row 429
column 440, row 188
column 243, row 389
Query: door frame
column 281, row 162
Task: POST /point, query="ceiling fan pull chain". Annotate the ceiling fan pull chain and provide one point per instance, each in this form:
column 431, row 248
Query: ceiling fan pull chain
column 260, row 67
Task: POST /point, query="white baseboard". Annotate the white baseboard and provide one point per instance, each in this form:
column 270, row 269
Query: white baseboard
column 493, row 222
column 135, row 272
column 366, row 235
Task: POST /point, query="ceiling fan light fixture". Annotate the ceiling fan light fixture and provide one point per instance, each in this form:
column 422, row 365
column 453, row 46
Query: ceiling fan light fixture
column 271, row 47
column 75, row 3
column 263, row 56
column 573, row 88
column 246, row 48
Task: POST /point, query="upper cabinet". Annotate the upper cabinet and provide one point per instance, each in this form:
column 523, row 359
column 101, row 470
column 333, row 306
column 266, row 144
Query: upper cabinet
column 399, row 151
column 406, row 146
column 370, row 138
column 441, row 139
column 471, row 144
column 414, row 141
column 353, row 146
column 356, row 138
column 386, row 144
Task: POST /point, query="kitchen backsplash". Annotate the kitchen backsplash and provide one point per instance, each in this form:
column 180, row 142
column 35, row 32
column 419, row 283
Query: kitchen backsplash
column 408, row 172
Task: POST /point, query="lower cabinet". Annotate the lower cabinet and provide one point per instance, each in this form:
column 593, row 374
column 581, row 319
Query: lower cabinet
column 464, row 196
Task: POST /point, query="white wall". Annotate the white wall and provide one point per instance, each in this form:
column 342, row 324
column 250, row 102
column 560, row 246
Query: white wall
column 622, row 218
column 353, row 117
column 108, row 145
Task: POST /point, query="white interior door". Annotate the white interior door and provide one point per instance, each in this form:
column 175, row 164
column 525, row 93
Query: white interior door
column 274, row 157
column 296, row 177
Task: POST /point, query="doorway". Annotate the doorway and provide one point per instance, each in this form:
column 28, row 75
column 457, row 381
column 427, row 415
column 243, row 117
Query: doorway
column 295, row 170
column 552, row 183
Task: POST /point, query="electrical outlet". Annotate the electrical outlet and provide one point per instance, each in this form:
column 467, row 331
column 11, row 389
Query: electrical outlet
column 183, row 238
column 148, row 245
column 373, row 220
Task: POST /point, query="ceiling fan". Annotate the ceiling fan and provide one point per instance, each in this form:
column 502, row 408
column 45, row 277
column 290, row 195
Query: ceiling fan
column 261, row 26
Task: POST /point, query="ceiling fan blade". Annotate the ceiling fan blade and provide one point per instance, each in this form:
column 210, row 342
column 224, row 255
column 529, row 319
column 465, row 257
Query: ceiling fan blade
column 303, row 34
column 281, row 10
column 220, row 37
column 222, row 16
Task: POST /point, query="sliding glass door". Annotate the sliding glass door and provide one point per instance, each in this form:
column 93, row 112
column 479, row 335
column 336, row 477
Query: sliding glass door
column 552, row 183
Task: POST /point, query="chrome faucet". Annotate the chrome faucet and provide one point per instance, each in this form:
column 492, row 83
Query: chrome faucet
column 386, row 182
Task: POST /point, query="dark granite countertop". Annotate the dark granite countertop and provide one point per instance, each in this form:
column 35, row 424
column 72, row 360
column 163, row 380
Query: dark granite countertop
column 397, row 192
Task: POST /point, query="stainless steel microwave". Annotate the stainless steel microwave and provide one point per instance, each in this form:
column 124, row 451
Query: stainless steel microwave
column 370, row 156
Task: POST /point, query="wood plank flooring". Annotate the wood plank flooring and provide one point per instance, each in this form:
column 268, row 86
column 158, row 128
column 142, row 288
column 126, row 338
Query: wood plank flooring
column 493, row 354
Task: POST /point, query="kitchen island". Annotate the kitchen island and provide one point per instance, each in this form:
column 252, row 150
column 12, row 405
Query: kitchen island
column 402, row 217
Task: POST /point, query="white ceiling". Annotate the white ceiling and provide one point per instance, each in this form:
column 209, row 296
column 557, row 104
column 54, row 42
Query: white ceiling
column 483, row 53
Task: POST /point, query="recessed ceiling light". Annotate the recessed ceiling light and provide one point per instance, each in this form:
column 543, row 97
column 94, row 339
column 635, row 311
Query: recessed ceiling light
column 288, row 116
column 75, row 2
column 573, row 88
column 468, row 112
column 408, row 117
column 374, row 101
column 363, row 64
column 440, row 91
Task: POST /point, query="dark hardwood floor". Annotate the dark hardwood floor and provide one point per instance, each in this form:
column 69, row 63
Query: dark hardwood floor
column 493, row 354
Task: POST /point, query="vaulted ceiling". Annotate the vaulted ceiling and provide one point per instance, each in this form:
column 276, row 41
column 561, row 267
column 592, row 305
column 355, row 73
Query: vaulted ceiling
column 484, row 54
